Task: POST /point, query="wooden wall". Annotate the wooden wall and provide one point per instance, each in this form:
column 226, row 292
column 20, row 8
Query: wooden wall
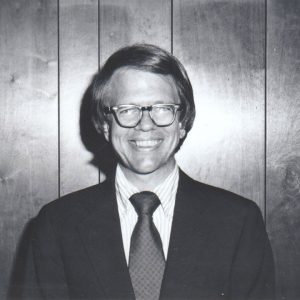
column 243, row 60
column 283, row 142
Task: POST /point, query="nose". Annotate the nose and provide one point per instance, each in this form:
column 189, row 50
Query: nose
column 146, row 122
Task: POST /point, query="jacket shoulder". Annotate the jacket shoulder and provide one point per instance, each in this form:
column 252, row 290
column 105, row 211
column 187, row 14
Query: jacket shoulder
column 76, row 205
column 215, row 197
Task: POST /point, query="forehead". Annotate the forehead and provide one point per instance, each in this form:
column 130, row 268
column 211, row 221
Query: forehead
column 131, row 86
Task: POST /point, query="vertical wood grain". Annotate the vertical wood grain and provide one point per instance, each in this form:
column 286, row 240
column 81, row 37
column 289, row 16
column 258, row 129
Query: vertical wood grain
column 78, row 56
column 126, row 22
column 283, row 142
column 221, row 43
column 28, row 119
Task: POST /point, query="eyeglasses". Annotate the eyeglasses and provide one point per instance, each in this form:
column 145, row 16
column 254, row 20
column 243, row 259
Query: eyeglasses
column 129, row 116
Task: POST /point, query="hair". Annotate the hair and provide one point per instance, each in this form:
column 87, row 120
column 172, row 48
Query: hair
column 144, row 57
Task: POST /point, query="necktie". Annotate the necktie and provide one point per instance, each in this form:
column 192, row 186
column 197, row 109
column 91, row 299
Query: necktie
column 146, row 257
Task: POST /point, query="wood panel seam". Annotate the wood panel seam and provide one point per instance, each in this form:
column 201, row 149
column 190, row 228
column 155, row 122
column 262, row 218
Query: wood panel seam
column 58, row 100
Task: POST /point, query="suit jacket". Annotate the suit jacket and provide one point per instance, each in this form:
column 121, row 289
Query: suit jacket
column 218, row 248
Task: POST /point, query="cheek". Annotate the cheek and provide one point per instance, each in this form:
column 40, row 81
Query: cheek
column 118, row 138
column 172, row 139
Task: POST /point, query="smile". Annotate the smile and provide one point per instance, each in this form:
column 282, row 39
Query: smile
column 146, row 144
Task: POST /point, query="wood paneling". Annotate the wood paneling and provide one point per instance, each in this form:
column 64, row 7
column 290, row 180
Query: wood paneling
column 78, row 56
column 221, row 43
column 283, row 142
column 127, row 22
column 28, row 119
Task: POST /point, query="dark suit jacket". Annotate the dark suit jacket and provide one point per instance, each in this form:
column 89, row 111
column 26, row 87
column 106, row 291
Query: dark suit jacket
column 218, row 248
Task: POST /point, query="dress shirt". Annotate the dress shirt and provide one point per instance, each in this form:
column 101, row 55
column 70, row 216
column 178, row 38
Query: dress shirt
column 163, row 215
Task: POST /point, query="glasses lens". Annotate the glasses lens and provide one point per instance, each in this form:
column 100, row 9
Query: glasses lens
column 163, row 114
column 128, row 116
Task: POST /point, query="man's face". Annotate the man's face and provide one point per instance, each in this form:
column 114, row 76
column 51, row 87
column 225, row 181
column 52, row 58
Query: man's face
column 145, row 148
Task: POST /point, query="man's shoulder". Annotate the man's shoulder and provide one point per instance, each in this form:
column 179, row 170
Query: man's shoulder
column 216, row 199
column 77, row 204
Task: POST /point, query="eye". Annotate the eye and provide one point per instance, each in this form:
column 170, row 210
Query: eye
column 128, row 111
column 124, row 111
column 162, row 109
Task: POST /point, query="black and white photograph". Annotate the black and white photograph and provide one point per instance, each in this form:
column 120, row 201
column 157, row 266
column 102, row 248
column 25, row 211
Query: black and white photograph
column 150, row 149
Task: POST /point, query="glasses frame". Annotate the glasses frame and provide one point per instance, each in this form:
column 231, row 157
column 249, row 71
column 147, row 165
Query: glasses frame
column 113, row 110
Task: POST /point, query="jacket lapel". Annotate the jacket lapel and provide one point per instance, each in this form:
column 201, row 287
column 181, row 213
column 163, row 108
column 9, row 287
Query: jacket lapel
column 187, row 237
column 100, row 232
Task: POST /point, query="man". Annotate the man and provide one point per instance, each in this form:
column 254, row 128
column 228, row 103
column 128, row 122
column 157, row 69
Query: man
column 150, row 231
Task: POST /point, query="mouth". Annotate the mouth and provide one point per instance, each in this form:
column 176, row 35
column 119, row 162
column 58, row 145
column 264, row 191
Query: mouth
column 146, row 144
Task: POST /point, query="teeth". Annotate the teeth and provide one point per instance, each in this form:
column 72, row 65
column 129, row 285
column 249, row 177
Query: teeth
column 150, row 143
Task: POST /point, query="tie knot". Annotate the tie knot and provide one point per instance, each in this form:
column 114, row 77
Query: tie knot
column 145, row 203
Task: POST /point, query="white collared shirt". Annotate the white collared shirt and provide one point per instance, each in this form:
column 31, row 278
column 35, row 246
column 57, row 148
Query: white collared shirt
column 163, row 215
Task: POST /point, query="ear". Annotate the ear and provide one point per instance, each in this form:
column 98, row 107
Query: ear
column 105, row 130
column 182, row 131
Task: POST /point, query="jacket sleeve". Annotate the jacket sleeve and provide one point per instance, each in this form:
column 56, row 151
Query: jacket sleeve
column 44, row 276
column 252, row 275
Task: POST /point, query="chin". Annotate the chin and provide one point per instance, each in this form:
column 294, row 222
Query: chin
column 144, row 170
column 145, row 167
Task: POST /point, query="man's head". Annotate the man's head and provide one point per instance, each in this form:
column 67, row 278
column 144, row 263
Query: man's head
column 145, row 137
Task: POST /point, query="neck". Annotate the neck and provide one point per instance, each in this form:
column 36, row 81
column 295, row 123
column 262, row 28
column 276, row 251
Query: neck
column 149, row 181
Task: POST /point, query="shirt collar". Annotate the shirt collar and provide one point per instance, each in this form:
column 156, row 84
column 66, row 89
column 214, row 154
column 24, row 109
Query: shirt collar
column 166, row 191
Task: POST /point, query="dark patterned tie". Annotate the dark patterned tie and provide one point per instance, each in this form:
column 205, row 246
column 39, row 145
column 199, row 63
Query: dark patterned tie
column 146, row 258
